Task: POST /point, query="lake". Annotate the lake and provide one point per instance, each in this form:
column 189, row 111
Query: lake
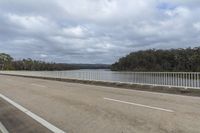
column 174, row 79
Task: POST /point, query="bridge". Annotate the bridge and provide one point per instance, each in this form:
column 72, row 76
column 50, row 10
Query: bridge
column 39, row 105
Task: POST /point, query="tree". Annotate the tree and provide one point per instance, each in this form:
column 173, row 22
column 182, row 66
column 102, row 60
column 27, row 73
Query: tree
column 5, row 61
column 160, row 60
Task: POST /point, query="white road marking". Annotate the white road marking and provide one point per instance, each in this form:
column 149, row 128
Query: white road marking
column 38, row 85
column 3, row 129
column 34, row 116
column 154, row 93
column 141, row 105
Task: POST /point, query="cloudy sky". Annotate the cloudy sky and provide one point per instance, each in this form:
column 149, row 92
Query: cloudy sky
column 95, row 31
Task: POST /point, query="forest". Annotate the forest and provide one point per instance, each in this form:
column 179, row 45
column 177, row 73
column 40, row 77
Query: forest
column 175, row 60
column 8, row 63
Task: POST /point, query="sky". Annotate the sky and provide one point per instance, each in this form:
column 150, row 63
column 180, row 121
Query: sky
column 95, row 31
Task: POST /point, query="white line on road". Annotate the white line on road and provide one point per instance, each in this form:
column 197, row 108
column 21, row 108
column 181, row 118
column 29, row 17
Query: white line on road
column 38, row 85
column 136, row 104
column 34, row 116
column 3, row 129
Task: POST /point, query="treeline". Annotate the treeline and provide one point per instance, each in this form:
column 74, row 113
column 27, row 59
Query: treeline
column 8, row 63
column 187, row 60
column 34, row 65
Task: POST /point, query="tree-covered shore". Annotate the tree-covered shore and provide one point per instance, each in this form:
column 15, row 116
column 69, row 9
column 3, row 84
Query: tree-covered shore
column 8, row 63
column 187, row 60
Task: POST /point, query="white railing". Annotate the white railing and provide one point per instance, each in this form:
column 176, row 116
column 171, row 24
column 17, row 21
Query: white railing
column 169, row 79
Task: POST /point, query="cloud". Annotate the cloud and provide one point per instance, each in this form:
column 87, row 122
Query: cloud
column 77, row 31
column 99, row 31
column 197, row 26
column 30, row 23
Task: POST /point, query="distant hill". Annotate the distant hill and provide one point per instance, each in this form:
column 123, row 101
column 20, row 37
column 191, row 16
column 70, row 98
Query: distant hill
column 160, row 60
column 91, row 66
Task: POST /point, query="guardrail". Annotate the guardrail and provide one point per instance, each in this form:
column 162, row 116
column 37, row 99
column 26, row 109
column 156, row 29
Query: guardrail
column 169, row 79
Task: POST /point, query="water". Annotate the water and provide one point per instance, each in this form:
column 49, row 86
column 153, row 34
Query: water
column 177, row 79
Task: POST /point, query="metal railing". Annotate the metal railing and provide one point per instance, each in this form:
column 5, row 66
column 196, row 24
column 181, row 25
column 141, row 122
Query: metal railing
column 170, row 79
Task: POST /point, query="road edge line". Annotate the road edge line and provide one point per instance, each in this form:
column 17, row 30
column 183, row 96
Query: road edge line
column 3, row 129
column 33, row 116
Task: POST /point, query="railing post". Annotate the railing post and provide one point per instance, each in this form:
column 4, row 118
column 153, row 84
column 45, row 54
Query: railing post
column 198, row 80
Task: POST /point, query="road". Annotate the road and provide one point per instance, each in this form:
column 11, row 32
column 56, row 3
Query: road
column 79, row 108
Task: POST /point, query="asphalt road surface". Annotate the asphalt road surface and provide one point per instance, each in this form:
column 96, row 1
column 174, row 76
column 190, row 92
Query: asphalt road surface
column 36, row 105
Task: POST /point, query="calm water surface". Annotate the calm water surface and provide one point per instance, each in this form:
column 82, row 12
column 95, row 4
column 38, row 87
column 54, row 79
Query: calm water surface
column 155, row 78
